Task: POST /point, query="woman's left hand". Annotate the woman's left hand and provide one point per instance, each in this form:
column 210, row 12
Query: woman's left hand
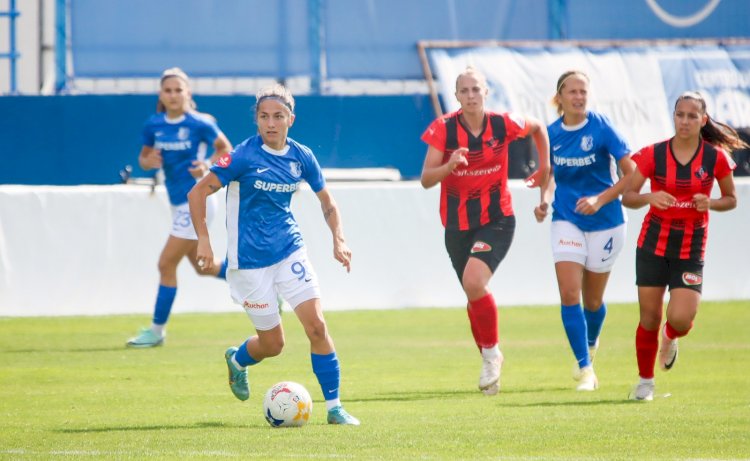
column 702, row 202
column 587, row 205
column 343, row 254
column 199, row 169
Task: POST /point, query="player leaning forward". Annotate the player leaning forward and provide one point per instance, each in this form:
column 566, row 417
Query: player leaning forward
column 265, row 251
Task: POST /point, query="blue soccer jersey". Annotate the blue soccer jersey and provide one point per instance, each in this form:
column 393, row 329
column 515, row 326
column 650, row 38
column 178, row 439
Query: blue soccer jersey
column 584, row 162
column 181, row 141
column 261, row 229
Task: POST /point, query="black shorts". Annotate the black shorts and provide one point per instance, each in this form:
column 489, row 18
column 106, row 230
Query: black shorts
column 658, row 271
column 489, row 243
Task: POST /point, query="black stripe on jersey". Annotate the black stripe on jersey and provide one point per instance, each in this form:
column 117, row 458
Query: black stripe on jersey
column 709, row 164
column 697, row 243
column 651, row 239
column 660, row 163
column 451, row 134
column 497, row 122
column 474, row 210
column 452, row 201
column 493, row 210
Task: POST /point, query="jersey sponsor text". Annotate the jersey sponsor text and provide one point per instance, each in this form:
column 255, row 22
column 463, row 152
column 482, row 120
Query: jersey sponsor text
column 275, row 187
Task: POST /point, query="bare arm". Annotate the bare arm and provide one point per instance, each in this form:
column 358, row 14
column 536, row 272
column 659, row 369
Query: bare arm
column 541, row 177
column 590, row 205
column 434, row 170
column 149, row 158
column 221, row 147
column 727, row 201
column 331, row 214
column 197, row 202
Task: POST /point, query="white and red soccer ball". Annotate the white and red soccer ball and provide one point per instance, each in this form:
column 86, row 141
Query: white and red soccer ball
column 287, row 404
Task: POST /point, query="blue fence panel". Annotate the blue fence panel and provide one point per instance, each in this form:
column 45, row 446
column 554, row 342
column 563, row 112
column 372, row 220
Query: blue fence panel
column 69, row 140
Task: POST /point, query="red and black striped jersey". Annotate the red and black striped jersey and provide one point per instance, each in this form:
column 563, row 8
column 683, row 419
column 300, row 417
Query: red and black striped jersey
column 477, row 194
column 681, row 230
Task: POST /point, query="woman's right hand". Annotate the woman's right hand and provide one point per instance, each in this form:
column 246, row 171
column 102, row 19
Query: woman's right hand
column 204, row 255
column 661, row 200
column 151, row 160
column 541, row 211
column 458, row 157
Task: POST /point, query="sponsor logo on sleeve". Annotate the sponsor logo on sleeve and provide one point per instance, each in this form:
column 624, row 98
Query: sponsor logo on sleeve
column 224, row 161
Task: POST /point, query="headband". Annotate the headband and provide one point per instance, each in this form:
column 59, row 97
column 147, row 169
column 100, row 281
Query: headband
column 275, row 98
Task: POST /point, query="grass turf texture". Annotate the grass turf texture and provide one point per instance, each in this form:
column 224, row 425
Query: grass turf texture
column 70, row 389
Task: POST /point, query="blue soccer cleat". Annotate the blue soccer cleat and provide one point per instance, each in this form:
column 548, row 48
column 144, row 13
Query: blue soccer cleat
column 337, row 415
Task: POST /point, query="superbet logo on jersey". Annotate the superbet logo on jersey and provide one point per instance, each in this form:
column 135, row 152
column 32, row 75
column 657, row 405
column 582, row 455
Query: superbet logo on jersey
column 224, row 161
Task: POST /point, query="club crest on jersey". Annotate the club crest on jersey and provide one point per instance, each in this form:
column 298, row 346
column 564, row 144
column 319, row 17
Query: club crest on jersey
column 691, row 279
column 587, row 143
column 480, row 247
column 183, row 133
column 296, row 169
column 224, row 161
column 492, row 142
column 701, row 173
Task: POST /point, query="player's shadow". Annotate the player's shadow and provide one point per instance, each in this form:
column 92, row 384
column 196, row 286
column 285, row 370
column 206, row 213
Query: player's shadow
column 157, row 427
column 69, row 350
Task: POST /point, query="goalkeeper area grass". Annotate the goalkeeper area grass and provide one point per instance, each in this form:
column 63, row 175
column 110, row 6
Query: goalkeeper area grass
column 69, row 389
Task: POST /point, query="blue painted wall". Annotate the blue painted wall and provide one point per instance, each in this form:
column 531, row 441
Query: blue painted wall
column 67, row 140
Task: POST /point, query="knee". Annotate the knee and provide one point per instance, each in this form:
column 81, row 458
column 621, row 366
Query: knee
column 569, row 296
column 474, row 288
column 651, row 320
column 317, row 331
column 273, row 347
column 592, row 303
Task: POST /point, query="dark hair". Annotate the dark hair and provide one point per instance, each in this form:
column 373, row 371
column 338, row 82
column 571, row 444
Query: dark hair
column 717, row 133
column 561, row 83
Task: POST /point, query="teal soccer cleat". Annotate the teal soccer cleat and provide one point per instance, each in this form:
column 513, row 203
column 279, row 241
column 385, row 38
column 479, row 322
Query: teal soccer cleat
column 237, row 378
column 145, row 338
column 337, row 415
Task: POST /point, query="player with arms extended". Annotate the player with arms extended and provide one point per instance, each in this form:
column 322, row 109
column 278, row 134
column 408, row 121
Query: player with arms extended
column 468, row 155
column 266, row 253
column 672, row 241
column 174, row 139
column 588, row 221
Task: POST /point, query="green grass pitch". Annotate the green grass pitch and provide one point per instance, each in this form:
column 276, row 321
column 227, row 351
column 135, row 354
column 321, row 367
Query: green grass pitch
column 70, row 390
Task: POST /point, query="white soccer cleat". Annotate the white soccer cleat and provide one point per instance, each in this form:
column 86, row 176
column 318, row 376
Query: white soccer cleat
column 667, row 351
column 490, row 375
column 588, row 381
column 592, row 352
column 643, row 391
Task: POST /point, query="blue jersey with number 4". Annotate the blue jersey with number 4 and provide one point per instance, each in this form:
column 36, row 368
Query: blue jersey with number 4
column 584, row 162
column 261, row 229
column 181, row 142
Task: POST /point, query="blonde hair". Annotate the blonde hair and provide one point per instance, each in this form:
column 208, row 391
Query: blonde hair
column 471, row 71
column 178, row 73
column 561, row 84
column 278, row 93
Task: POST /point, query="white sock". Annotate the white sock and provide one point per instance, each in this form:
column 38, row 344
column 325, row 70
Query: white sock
column 331, row 404
column 491, row 353
column 647, row 381
column 236, row 364
column 158, row 329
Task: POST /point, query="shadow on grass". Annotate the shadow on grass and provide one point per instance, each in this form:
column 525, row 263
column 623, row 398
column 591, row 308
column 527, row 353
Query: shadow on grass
column 62, row 350
column 440, row 395
column 198, row 425
column 589, row 403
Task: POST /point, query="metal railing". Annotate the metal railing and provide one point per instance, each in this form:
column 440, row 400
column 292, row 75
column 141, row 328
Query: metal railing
column 12, row 54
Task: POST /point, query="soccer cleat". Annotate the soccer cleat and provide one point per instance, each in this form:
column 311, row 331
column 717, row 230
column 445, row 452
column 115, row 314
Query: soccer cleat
column 643, row 391
column 492, row 390
column 145, row 338
column 592, row 352
column 588, row 381
column 490, row 375
column 667, row 351
column 237, row 378
column 337, row 415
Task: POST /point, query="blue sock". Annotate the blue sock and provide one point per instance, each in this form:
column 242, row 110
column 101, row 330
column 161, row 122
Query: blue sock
column 223, row 271
column 243, row 357
column 594, row 322
column 326, row 369
column 575, row 327
column 164, row 300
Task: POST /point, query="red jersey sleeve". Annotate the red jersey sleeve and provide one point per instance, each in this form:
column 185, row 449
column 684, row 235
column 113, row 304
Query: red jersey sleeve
column 516, row 126
column 435, row 134
column 644, row 161
column 724, row 164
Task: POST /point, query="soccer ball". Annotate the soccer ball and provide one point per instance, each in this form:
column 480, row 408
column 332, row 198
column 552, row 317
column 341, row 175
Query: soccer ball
column 287, row 404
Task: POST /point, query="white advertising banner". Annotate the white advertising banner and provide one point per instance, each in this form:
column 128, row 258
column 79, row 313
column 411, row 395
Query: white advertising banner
column 634, row 86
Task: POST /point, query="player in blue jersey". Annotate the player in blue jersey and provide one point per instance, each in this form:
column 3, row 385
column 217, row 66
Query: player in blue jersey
column 588, row 221
column 175, row 140
column 265, row 250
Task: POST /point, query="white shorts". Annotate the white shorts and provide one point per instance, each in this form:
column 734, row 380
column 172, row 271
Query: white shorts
column 596, row 251
column 256, row 289
column 182, row 224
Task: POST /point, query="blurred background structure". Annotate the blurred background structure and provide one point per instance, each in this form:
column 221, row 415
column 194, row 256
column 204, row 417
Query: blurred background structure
column 78, row 78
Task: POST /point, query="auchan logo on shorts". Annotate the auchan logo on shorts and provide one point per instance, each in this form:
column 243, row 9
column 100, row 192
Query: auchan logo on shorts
column 689, row 278
column 249, row 305
column 570, row 243
column 481, row 247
